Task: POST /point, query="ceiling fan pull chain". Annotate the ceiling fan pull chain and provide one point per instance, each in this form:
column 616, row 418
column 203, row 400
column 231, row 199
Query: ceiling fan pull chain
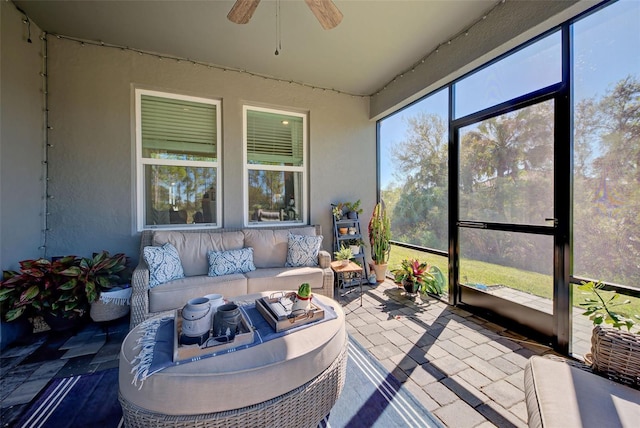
column 278, row 29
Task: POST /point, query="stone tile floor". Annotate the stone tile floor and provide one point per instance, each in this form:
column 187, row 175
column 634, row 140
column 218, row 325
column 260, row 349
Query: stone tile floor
column 28, row 365
column 467, row 371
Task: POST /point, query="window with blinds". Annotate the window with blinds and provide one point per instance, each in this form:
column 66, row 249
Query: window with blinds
column 178, row 129
column 178, row 176
column 275, row 166
column 274, row 139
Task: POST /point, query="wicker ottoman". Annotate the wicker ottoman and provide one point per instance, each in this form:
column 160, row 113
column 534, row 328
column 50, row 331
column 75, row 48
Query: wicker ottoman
column 291, row 381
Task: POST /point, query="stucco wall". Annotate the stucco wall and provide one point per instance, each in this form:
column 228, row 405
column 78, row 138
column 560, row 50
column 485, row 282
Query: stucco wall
column 21, row 140
column 92, row 163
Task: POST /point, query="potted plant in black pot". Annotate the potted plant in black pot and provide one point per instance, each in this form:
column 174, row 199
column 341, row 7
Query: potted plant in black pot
column 18, row 326
column 416, row 276
column 47, row 288
column 353, row 209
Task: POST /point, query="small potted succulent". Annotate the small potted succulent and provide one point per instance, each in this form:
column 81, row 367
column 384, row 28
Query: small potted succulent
column 353, row 209
column 336, row 210
column 354, row 245
column 344, row 254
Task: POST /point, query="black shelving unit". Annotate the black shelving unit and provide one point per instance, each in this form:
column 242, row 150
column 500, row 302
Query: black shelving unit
column 352, row 225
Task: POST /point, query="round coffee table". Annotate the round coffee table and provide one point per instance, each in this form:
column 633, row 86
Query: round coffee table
column 291, row 381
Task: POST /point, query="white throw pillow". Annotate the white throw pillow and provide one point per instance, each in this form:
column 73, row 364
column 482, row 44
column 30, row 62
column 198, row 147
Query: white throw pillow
column 303, row 250
column 231, row 261
column 164, row 264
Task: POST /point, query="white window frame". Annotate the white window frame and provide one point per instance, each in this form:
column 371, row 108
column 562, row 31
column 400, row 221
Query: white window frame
column 141, row 161
column 304, row 215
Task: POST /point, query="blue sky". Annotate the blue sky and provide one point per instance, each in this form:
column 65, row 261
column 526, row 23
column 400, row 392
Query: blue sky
column 606, row 49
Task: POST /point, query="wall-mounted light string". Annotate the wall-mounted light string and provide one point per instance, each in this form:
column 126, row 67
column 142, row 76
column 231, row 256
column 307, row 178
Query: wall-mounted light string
column 464, row 33
column 457, row 36
column 201, row 63
column 47, row 146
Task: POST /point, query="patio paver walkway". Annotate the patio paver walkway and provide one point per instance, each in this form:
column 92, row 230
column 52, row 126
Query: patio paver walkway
column 465, row 370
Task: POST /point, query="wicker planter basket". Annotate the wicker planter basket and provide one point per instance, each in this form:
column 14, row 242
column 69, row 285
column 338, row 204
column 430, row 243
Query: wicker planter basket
column 111, row 305
column 616, row 354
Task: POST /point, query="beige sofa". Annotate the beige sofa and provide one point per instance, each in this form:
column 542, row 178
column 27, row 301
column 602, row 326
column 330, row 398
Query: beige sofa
column 564, row 393
column 270, row 246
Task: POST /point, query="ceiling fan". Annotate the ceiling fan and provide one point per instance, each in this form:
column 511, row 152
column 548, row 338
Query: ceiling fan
column 325, row 11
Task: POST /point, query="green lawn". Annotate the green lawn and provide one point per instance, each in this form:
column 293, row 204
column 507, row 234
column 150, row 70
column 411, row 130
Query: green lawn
column 472, row 271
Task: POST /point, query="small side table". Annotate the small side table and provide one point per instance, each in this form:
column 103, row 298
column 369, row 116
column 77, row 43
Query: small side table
column 356, row 271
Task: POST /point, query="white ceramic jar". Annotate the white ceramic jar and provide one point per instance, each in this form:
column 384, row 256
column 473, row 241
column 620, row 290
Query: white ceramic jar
column 215, row 300
column 196, row 317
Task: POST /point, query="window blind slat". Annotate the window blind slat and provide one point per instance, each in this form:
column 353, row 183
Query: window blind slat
column 273, row 137
column 174, row 125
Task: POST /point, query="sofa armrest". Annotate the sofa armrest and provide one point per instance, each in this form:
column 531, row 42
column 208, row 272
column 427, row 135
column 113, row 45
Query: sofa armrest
column 139, row 294
column 615, row 354
column 324, row 259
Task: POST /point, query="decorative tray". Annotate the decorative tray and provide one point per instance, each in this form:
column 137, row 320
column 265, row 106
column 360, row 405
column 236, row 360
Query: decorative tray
column 187, row 352
column 280, row 320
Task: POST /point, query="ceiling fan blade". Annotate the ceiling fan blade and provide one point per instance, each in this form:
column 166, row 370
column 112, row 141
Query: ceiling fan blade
column 326, row 12
column 242, row 11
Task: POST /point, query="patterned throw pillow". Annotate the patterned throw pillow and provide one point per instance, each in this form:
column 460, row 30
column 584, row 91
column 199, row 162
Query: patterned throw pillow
column 232, row 261
column 164, row 264
column 303, row 250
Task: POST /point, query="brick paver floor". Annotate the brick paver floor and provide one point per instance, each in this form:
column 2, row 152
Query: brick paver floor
column 465, row 370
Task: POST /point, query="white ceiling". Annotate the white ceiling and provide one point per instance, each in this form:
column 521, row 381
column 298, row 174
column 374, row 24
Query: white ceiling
column 376, row 40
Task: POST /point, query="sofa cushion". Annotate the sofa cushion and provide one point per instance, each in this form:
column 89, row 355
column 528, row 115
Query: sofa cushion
column 231, row 261
column 164, row 264
column 193, row 246
column 559, row 395
column 174, row 294
column 303, row 250
column 270, row 245
column 283, row 278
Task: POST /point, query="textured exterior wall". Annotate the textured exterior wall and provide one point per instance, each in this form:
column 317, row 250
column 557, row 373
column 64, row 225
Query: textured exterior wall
column 92, row 164
column 508, row 26
column 21, row 140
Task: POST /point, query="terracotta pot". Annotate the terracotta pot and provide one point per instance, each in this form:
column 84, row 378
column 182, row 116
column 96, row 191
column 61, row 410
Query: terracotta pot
column 381, row 271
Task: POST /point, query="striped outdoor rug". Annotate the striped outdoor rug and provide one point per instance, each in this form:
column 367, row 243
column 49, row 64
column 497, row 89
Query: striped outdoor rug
column 371, row 397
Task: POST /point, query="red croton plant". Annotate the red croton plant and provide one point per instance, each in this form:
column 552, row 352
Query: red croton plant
column 64, row 287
